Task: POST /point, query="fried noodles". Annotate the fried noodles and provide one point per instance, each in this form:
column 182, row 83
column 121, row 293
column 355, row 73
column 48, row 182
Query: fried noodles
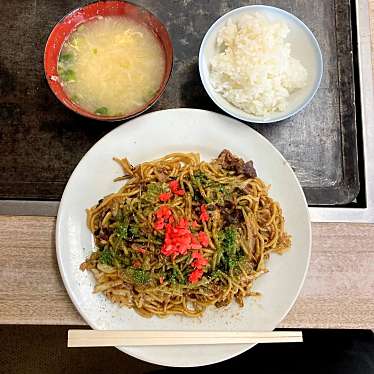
column 183, row 234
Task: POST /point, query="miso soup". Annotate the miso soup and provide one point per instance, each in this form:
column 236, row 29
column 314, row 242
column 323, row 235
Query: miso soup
column 111, row 65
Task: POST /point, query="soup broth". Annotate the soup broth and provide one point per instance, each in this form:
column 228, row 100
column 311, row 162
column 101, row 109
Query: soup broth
column 111, row 66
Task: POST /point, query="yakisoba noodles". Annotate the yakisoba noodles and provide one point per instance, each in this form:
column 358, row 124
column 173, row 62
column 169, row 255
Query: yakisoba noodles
column 183, row 234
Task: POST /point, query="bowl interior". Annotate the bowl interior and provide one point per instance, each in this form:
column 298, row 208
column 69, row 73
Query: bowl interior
column 304, row 47
column 81, row 15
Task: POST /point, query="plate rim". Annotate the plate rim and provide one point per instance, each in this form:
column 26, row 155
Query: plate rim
column 58, row 237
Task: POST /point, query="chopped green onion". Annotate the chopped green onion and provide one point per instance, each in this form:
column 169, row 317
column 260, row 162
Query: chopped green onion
column 103, row 111
column 68, row 75
column 75, row 98
column 66, row 57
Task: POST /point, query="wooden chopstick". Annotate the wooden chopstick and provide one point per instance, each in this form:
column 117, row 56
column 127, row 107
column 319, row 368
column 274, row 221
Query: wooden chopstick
column 107, row 338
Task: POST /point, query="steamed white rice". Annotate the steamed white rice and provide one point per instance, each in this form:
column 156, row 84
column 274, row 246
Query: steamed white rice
column 253, row 68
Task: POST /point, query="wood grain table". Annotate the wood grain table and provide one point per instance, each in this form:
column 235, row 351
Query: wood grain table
column 338, row 291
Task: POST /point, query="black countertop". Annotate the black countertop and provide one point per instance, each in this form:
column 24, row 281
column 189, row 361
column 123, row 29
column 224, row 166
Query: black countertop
column 41, row 141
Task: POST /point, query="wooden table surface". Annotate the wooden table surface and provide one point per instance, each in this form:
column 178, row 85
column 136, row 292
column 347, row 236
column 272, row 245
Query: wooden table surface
column 338, row 291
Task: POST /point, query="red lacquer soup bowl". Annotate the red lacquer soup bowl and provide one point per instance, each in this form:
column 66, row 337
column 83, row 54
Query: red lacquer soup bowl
column 77, row 17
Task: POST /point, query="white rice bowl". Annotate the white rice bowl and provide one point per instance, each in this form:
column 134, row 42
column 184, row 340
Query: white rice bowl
column 253, row 68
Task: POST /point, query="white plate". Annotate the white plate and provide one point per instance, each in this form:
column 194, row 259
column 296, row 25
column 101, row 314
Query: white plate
column 304, row 47
column 151, row 136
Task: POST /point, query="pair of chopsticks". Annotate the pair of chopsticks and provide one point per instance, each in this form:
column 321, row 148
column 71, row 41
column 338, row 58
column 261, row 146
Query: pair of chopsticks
column 107, row 338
